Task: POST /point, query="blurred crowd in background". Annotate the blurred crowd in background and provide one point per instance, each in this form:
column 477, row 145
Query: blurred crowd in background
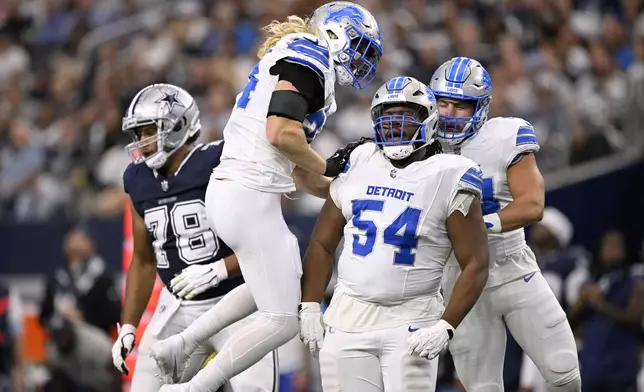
column 573, row 68
column 68, row 69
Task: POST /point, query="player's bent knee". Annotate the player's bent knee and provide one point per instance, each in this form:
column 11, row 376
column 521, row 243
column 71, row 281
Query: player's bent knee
column 562, row 372
column 286, row 326
column 485, row 388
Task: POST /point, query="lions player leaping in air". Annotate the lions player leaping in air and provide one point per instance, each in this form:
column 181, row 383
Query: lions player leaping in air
column 516, row 295
column 402, row 208
column 167, row 186
column 288, row 98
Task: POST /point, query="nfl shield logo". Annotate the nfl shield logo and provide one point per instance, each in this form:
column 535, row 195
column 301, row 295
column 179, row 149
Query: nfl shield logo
column 164, row 185
column 393, row 173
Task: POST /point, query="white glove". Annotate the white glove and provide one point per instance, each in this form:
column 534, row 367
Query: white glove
column 311, row 326
column 123, row 346
column 492, row 223
column 429, row 342
column 196, row 279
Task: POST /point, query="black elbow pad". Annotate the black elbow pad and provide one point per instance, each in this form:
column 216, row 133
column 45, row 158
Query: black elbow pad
column 288, row 104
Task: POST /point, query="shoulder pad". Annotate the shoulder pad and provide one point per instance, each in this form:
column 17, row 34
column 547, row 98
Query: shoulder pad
column 472, row 181
column 359, row 155
column 306, row 50
column 129, row 177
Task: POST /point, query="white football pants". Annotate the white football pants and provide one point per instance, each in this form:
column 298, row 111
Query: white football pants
column 534, row 317
column 375, row 361
column 170, row 319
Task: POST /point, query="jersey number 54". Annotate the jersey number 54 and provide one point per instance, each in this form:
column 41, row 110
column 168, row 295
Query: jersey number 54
column 401, row 233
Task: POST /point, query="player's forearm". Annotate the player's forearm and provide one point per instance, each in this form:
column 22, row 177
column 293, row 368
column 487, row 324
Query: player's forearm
column 291, row 142
column 520, row 213
column 318, row 268
column 467, row 289
column 311, row 183
column 139, row 283
column 232, row 266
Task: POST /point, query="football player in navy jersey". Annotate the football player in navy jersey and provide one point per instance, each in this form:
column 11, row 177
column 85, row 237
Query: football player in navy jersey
column 167, row 185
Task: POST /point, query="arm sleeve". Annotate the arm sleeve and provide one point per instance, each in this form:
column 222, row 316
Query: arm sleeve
column 306, row 81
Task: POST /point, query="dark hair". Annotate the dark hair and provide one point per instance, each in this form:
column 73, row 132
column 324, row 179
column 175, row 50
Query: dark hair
column 433, row 149
column 193, row 139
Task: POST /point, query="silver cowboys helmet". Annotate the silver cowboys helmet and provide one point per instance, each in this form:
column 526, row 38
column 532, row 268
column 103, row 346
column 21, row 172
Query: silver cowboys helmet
column 354, row 41
column 172, row 111
column 404, row 114
column 463, row 79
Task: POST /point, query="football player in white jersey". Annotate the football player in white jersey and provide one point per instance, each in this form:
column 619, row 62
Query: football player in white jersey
column 288, row 98
column 516, row 294
column 403, row 208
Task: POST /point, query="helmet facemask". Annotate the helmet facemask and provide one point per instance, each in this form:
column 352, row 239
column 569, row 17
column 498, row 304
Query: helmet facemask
column 400, row 128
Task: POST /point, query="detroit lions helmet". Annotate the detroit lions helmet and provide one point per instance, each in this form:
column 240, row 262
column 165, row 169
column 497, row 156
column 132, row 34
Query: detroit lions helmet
column 353, row 37
column 404, row 114
column 172, row 111
column 462, row 78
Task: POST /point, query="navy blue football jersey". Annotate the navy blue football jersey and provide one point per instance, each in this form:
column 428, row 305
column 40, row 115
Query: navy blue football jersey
column 173, row 209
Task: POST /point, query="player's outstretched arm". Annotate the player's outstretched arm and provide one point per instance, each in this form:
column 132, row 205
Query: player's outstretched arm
column 141, row 274
column 312, row 183
column 469, row 242
column 139, row 282
column 284, row 128
column 467, row 234
column 319, row 257
column 528, row 194
column 318, row 267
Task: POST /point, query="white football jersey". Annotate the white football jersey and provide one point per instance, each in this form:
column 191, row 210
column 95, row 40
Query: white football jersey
column 248, row 157
column 496, row 146
column 395, row 239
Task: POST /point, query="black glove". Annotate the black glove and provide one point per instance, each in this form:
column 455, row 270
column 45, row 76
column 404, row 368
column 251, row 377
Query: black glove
column 335, row 163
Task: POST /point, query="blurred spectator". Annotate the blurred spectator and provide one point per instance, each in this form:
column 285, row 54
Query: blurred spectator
column 610, row 312
column 572, row 68
column 80, row 309
column 82, row 289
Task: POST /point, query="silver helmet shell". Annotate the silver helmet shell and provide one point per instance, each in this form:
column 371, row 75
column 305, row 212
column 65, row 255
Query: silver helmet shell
column 464, row 79
column 418, row 121
column 174, row 113
column 354, row 41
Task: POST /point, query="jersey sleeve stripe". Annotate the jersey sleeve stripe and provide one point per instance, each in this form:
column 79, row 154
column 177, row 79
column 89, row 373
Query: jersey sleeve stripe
column 306, row 50
column 527, row 139
column 306, row 63
column 526, row 136
column 473, row 179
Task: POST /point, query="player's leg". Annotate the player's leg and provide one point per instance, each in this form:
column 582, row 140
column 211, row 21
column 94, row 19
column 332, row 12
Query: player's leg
column 168, row 320
column 251, row 223
column 172, row 354
column 261, row 377
column 402, row 371
column 539, row 325
column 478, row 346
column 349, row 362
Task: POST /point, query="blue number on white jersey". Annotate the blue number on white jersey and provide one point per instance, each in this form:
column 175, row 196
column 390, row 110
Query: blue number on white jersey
column 490, row 204
column 313, row 123
column 407, row 222
column 244, row 98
